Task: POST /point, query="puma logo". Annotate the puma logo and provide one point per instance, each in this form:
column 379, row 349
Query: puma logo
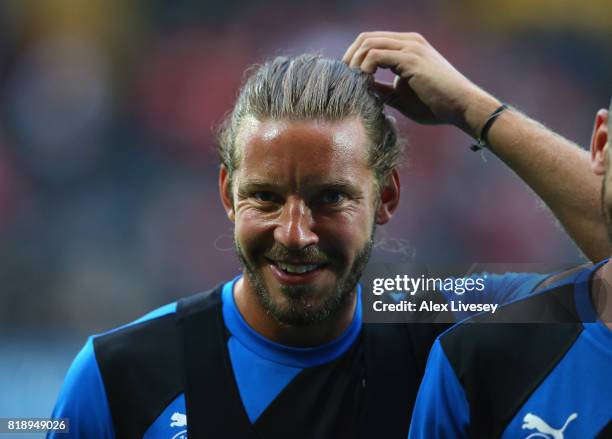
column 534, row 422
column 178, row 420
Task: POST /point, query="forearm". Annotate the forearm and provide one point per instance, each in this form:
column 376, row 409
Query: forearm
column 555, row 168
column 429, row 89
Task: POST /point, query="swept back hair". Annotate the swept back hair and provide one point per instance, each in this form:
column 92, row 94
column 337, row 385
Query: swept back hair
column 311, row 87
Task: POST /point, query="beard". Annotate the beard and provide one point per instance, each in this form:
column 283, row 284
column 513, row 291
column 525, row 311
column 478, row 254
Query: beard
column 297, row 309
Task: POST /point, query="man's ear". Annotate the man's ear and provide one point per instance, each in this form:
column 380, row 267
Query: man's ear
column 225, row 191
column 599, row 143
column 389, row 198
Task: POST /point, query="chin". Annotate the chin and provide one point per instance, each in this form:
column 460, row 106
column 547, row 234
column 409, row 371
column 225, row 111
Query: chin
column 301, row 305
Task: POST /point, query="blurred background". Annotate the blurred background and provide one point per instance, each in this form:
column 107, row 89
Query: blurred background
column 108, row 175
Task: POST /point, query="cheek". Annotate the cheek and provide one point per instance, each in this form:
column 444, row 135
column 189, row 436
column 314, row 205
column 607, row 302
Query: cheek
column 341, row 235
column 607, row 196
column 347, row 235
column 252, row 231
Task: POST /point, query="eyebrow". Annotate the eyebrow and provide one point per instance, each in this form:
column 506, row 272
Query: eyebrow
column 335, row 183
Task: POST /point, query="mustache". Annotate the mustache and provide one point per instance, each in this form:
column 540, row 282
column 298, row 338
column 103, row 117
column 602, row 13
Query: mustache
column 308, row 255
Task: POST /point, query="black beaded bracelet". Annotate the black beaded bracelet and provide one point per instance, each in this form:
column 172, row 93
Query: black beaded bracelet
column 482, row 140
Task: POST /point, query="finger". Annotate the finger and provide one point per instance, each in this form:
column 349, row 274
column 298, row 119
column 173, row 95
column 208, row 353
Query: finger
column 346, row 58
column 363, row 36
column 395, row 60
column 373, row 43
column 401, row 36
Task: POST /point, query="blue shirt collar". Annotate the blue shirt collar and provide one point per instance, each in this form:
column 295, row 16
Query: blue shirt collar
column 584, row 306
column 288, row 355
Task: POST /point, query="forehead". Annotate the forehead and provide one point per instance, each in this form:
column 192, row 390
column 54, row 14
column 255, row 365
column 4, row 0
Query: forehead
column 303, row 152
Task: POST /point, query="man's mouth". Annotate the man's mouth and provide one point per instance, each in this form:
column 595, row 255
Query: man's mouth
column 295, row 272
column 297, row 268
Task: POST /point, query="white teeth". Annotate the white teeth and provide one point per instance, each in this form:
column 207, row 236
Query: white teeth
column 298, row 269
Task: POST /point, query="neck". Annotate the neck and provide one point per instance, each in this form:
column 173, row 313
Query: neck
column 601, row 294
column 314, row 334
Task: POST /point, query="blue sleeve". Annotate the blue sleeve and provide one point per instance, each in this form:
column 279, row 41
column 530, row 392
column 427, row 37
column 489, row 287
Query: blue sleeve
column 508, row 287
column 82, row 400
column 441, row 409
column 494, row 288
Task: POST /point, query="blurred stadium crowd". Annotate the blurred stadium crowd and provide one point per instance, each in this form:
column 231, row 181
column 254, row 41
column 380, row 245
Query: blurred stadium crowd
column 108, row 175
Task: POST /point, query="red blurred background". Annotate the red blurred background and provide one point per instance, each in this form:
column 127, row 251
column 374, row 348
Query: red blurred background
column 108, row 176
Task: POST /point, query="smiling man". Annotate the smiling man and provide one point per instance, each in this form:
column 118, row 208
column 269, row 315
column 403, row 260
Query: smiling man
column 308, row 170
column 304, row 224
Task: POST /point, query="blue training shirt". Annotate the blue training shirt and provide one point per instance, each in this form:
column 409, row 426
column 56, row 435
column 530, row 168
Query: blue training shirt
column 261, row 367
column 572, row 401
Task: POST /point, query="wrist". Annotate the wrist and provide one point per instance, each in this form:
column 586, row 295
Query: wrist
column 479, row 108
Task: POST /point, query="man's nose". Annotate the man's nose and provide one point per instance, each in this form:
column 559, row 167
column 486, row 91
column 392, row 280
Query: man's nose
column 294, row 229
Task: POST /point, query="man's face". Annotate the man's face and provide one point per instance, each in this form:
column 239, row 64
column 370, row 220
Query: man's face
column 304, row 204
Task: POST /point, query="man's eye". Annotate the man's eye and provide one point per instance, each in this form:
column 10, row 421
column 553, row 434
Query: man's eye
column 332, row 197
column 265, row 197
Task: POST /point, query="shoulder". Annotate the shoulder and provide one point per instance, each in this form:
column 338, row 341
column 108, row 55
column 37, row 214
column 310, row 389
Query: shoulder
column 121, row 378
column 154, row 334
column 109, row 375
column 141, row 364
column 551, row 300
column 125, row 355
column 84, row 376
column 82, row 398
column 135, row 339
column 500, row 358
column 513, row 321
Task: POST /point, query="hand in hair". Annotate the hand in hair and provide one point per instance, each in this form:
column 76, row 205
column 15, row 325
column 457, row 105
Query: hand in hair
column 427, row 88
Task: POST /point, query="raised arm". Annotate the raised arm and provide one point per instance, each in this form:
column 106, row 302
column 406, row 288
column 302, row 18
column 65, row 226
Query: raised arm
column 428, row 89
